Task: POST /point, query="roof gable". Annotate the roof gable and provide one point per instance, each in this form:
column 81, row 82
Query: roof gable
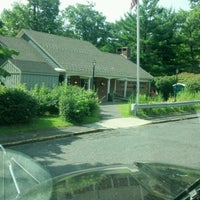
column 29, row 59
column 10, row 67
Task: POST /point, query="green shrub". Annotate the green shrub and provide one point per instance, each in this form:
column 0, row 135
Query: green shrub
column 193, row 85
column 47, row 99
column 184, row 95
column 71, row 102
column 192, row 81
column 187, row 95
column 75, row 103
column 145, row 99
column 16, row 106
column 164, row 85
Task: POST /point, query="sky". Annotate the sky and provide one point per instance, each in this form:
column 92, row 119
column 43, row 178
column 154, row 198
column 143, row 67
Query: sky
column 112, row 9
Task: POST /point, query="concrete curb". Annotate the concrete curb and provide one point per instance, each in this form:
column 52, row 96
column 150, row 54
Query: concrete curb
column 57, row 136
column 173, row 119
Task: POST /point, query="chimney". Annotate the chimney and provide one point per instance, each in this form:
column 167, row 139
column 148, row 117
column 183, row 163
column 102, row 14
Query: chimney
column 124, row 51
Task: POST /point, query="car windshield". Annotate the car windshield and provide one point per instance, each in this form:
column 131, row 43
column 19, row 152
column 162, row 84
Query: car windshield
column 99, row 100
column 22, row 179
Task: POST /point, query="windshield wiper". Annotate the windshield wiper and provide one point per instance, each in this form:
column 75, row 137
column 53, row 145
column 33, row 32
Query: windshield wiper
column 190, row 193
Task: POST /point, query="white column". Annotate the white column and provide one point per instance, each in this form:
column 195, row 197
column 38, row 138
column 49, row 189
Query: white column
column 66, row 80
column 89, row 83
column 115, row 85
column 108, row 87
column 125, row 88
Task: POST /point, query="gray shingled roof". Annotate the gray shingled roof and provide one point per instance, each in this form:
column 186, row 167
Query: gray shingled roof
column 76, row 56
column 26, row 52
column 28, row 60
column 33, row 67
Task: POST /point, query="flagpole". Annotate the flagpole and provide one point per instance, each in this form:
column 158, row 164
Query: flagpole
column 138, row 55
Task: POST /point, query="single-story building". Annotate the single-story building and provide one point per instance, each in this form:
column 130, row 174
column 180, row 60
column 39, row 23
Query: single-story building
column 51, row 59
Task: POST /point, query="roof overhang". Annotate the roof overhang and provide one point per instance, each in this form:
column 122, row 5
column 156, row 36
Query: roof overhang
column 57, row 69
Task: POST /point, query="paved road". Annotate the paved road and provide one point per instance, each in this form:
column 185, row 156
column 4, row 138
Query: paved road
column 173, row 142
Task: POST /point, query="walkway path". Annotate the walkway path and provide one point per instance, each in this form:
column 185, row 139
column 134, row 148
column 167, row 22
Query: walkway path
column 110, row 110
column 111, row 118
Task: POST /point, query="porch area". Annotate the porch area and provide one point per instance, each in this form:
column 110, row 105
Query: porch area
column 108, row 89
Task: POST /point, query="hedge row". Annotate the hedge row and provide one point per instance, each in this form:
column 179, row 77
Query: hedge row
column 74, row 104
column 16, row 106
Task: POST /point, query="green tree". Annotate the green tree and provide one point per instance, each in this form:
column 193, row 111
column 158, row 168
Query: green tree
column 5, row 53
column 39, row 15
column 194, row 3
column 124, row 34
column 83, row 22
column 14, row 20
column 157, row 37
column 44, row 15
column 1, row 24
column 189, row 52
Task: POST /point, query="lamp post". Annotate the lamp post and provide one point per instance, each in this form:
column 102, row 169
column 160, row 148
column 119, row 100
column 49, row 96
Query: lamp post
column 176, row 83
column 93, row 71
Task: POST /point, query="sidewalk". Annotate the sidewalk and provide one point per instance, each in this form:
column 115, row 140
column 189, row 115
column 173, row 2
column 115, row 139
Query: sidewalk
column 105, row 124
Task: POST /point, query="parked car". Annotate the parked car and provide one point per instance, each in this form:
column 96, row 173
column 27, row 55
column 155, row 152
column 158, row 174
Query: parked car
column 24, row 179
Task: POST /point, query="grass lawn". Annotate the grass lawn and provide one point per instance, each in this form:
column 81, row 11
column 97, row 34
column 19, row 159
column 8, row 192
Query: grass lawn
column 37, row 124
column 43, row 123
column 125, row 110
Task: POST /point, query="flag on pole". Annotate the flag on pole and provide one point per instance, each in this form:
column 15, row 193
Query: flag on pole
column 133, row 3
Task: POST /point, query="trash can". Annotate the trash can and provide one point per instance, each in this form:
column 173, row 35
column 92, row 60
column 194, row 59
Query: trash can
column 178, row 87
column 110, row 97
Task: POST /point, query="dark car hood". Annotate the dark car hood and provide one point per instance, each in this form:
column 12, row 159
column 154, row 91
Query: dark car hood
column 146, row 181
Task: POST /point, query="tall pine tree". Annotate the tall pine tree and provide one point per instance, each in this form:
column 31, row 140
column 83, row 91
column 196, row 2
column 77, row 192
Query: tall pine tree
column 44, row 15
